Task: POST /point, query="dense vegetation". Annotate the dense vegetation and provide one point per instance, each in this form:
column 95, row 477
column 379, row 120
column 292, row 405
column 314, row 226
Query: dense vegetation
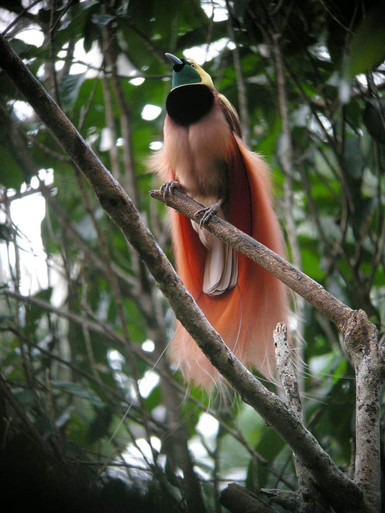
column 84, row 330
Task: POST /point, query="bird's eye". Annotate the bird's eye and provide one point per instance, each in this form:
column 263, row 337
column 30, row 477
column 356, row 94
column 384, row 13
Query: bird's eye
column 193, row 65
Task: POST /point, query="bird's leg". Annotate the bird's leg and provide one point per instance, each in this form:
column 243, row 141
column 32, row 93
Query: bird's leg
column 207, row 213
column 169, row 187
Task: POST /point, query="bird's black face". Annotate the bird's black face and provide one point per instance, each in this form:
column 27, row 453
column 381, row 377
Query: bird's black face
column 178, row 67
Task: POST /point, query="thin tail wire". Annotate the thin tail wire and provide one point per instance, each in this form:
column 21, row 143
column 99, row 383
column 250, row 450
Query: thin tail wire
column 135, row 396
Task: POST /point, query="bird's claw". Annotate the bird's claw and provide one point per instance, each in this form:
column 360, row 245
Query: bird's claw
column 207, row 213
column 169, row 187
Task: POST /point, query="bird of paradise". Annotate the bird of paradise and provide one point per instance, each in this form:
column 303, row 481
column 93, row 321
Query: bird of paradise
column 204, row 155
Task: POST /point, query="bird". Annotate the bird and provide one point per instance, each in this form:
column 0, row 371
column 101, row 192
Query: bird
column 203, row 155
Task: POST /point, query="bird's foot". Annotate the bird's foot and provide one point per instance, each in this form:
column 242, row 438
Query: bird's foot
column 207, row 213
column 169, row 187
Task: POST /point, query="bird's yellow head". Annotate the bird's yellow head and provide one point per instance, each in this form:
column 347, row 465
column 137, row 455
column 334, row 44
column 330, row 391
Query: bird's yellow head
column 188, row 72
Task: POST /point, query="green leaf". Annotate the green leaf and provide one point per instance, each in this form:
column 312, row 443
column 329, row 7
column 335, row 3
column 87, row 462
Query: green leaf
column 373, row 118
column 269, row 447
column 34, row 313
column 70, row 88
column 24, row 397
column 11, row 175
column 367, row 48
column 353, row 159
column 99, row 426
column 79, row 391
column 102, row 20
column 19, row 46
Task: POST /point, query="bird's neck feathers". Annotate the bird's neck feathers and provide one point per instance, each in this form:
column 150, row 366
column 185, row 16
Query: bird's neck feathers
column 189, row 103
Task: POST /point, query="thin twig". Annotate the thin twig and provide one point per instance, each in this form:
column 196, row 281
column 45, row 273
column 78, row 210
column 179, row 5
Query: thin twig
column 287, row 163
column 242, row 92
column 19, row 16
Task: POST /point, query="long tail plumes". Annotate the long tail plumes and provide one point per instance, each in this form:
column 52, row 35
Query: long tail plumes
column 246, row 315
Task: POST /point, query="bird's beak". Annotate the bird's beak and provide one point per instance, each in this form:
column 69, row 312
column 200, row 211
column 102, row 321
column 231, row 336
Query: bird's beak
column 173, row 59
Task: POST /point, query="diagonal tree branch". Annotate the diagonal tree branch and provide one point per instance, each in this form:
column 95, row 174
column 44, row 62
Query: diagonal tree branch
column 360, row 341
column 342, row 492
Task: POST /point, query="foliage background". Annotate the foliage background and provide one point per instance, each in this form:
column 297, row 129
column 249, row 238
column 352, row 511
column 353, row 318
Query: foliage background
column 84, row 331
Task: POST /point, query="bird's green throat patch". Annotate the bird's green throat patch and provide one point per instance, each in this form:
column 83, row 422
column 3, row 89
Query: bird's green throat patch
column 184, row 74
